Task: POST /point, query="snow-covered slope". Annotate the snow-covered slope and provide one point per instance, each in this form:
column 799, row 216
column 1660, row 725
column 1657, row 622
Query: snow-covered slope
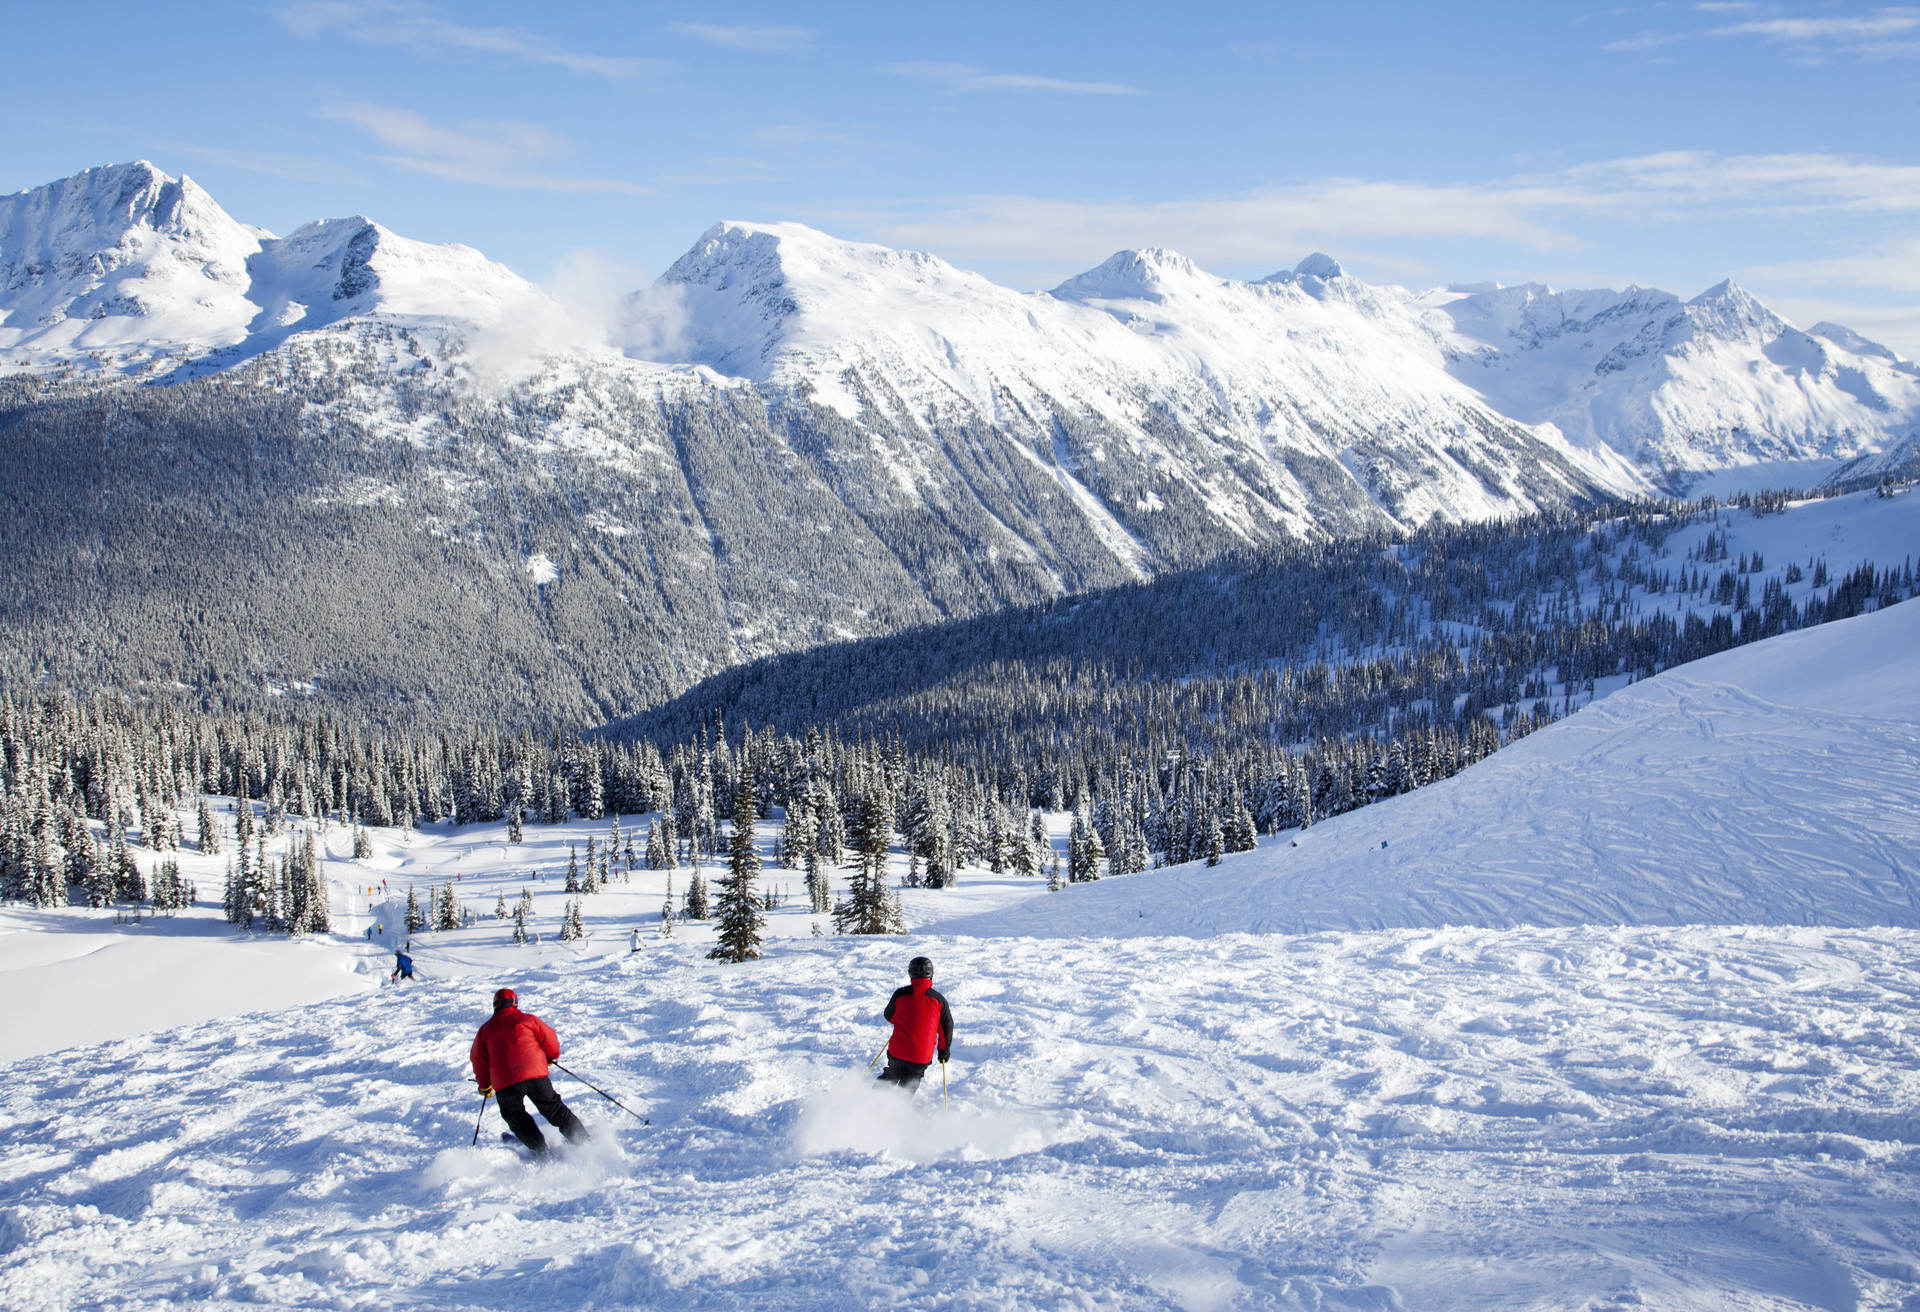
column 1264, row 399
column 121, row 264
column 1778, row 783
column 1577, row 1118
column 1678, row 388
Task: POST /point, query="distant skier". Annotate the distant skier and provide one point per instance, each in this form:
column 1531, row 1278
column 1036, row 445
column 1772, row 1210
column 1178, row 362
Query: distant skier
column 402, row 965
column 636, row 941
column 922, row 1027
column 510, row 1056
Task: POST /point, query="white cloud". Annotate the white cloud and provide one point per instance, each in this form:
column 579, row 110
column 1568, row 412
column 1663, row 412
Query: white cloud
column 754, row 38
column 1542, row 211
column 965, row 77
column 490, row 154
column 421, row 29
column 1882, row 34
column 1895, row 267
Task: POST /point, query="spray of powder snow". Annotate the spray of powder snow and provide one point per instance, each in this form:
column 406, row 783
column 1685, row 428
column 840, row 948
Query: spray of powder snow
column 566, row 1172
column 858, row 1114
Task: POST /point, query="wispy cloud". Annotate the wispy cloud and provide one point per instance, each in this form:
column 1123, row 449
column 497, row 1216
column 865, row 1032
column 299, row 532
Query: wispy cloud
column 490, row 154
column 754, row 38
column 276, row 164
column 1538, row 210
column 1882, row 34
column 423, row 29
column 965, row 77
column 1893, row 267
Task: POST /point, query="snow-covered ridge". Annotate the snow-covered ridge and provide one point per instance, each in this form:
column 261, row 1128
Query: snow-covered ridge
column 121, row 263
column 1777, row 783
column 1423, row 398
column 1677, row 388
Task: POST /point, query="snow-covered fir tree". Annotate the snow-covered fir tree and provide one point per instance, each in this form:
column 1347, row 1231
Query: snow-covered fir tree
column 209, row 829
column 738, row 932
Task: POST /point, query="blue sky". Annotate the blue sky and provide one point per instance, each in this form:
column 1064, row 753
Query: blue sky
column 1671, row 145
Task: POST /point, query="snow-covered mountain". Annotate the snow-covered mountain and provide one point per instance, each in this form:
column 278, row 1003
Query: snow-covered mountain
column 1677, row 388
column 788, row 439
column 124, row 265
column 1145, row 379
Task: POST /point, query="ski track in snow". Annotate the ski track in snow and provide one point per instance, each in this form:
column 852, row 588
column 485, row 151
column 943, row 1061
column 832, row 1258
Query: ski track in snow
column 1457, row 1118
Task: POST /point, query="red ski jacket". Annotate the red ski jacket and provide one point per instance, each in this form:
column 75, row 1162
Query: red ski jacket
column 921, row 1020
column 512, row 1047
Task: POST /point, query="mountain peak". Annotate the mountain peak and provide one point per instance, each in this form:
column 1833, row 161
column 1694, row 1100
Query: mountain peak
column 1319, row 265
column 1727, row 310
column 1147, row 274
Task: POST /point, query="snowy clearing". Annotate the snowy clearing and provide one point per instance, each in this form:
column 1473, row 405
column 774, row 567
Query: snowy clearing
column 1700, row 1118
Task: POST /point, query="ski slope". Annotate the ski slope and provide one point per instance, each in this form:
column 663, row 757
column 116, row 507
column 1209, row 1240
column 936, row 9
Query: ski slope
column 1777, row 783
column 1676, row 1118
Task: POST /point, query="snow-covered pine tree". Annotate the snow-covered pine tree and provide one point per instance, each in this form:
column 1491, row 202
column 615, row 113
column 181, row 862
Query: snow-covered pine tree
column 209, row 830
column 519, row 922
column 449, row 909
column 237, row 900
column 129, row 882
column 870, row 907
column 697, row 908
column 362, row 843
column 516, row 831
column 571, row 930
column 573, row 869
column 738, row 933
column 500, row 906
column 319, row 912
column 1216, row 840
column 416, row 918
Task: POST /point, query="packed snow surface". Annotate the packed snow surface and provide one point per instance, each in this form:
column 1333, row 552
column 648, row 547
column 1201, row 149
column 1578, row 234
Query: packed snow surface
column 1774, row 783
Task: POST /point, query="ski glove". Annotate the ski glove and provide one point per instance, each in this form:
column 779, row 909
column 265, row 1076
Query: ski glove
column 485, row 1091
column 943, row 1055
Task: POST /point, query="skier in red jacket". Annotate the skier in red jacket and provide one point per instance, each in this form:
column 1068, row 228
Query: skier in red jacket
column 510, row 1056
column 922, row 1026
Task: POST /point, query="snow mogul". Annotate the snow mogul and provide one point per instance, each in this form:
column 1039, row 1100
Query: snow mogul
column 922, row 1027
column 510, row 1056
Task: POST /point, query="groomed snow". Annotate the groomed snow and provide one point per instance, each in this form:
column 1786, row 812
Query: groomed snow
column 1775, row 783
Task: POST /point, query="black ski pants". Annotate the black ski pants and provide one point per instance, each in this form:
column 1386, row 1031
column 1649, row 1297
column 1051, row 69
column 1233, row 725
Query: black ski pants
column 540, row 1092
column 907, row 1074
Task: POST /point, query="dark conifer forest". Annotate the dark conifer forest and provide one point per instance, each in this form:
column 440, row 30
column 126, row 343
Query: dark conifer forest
column 1177, row 719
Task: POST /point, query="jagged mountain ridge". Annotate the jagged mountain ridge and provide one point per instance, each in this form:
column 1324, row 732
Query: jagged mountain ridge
column 128, row 267
column 805, row 440
column 1677, row 388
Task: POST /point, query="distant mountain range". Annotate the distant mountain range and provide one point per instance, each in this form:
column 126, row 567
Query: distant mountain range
column 787, row 439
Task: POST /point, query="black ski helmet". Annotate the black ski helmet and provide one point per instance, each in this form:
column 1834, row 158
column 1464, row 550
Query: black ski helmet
column 920, row 968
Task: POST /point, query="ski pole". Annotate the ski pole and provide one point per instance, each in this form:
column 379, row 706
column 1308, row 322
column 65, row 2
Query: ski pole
column 604, row 1094
column 943, row 1084
column 481, row 1117
column 876, row 1056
